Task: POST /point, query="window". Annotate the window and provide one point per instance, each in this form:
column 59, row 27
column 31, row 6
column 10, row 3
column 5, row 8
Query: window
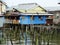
column 57, row 17
column 32, row 17
column 40, row 17
column 23, row 17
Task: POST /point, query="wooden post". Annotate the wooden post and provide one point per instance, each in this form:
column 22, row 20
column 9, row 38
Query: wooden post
column 26, row 35
column 11, row 38
column 26, row 28
column 19, row 34
column 22, row 29
column 39, row 40
column 40, row 29
column 36, row 39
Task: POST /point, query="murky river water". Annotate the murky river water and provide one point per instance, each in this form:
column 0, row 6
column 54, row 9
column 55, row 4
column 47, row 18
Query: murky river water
column 31, row 38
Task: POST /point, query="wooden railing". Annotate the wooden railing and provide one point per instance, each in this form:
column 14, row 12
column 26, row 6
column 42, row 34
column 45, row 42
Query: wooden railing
column 49, row 17
column 12, row 21
column 8, row 21
column 12, row 13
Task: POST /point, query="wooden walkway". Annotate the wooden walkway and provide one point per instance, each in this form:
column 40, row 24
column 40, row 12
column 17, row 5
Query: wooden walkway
column 58, row 27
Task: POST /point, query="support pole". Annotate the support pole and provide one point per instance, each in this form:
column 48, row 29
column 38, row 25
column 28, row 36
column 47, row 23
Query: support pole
column 26, row 35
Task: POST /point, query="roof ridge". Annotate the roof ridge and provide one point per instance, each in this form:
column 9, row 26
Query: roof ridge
column 27, row 3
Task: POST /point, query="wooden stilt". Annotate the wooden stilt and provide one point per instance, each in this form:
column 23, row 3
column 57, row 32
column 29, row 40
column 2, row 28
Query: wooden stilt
column 26, row 35
column 18, row 29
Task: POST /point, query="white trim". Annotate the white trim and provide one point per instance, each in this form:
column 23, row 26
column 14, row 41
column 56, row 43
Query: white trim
column 34, row 14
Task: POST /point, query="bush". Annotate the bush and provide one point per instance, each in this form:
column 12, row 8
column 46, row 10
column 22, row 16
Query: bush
column 0, row 42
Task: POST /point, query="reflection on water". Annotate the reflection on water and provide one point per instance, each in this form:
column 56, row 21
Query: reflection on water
column 47, row 37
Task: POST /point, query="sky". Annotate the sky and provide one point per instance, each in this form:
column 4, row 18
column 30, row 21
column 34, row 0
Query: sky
column 44, row 3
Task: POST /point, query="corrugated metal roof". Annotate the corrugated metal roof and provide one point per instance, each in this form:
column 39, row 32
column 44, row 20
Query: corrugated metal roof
column 57, row 8
column 25, row 6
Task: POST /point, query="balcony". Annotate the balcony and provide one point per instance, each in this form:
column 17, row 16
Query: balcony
column 49, row 17
column 12, row 13
column 11, row 21
column 15, row 21
column 8, row 21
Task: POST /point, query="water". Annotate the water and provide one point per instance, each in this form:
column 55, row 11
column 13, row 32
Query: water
column 30, row 37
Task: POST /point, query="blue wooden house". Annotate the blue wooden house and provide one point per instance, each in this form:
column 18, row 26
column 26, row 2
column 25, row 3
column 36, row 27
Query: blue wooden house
column 27, row 14
column 34, row 18
column 32, row 13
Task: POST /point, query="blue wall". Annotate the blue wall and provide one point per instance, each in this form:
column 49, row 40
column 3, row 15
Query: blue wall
column 36, row 20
